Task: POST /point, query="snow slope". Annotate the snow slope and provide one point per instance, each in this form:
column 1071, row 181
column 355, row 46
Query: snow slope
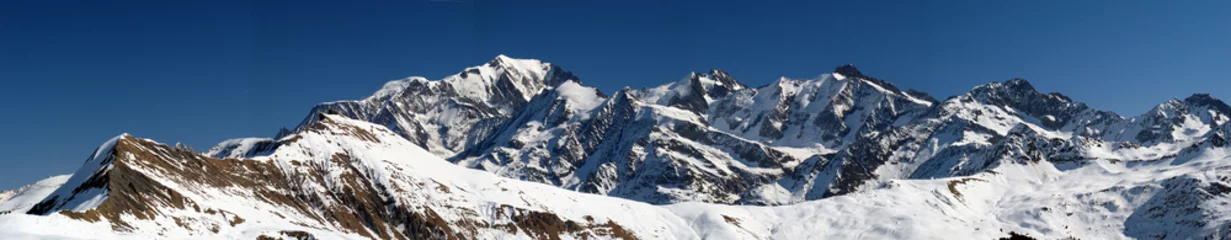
column 21, row 199
column 449, row 115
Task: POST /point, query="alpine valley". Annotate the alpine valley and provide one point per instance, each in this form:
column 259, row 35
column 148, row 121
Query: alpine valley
column 523, row 149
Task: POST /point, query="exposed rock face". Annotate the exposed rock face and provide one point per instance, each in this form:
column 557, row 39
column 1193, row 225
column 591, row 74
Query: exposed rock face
column 348, row 187
column 450, row 115
column 703, row 138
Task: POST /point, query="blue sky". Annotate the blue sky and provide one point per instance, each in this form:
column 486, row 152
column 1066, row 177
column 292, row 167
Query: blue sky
column 73, row 74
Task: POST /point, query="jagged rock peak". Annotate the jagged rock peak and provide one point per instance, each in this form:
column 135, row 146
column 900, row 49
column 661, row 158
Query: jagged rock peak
column 1201, row 97
column 88, row 182
column 1207, row 100
column 920, row 95
column 1019, row 84
column 504, row 61
column 1015, row 90
column 546, row 73
column 724, row 78
column 719, row 73
column 500, row 59
column 849, row 70
column 716, row 84
column 1016, row 86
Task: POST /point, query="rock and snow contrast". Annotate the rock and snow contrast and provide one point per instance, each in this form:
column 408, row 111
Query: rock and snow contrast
column 522, row 149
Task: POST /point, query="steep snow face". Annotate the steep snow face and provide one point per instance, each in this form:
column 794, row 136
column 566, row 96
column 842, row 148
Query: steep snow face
column 657, row 145
column 349, row 179
column 650, row 145
column 824, row 113
column 1174, row 121
column 22, row 199
column 581, row 99
column 242, row 148
column 628, row 148
column 693, row 93
column 961, row 136
column 84, row 189
column 995, row 124
column 447, row 116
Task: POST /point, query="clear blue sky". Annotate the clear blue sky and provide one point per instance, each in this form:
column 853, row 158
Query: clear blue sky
column 73, row 74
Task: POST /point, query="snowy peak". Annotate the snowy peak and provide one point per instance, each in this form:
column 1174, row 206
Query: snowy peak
column 694, row 92
column 339, row 179
column 1179, row 120
column 448, row 116
column 1207, row 101
column 506, row 77
column 689, row 94
column 717, row 83
column 849, row 70
column 828, row 112
column 1012, row 89
column 89, row 186
column 578, row 97
column 243, row 147
column 722, row 77
column 532, row 71
column 1053, row 110
column 1200, row 105
column 500, row 60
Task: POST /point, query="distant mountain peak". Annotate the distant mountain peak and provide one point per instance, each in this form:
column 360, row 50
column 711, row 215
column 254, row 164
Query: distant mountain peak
column 501, row 58
column 1020, row 83
column 849, row 70
column 1016, row 88
column 725, row 79
column 1205, row 99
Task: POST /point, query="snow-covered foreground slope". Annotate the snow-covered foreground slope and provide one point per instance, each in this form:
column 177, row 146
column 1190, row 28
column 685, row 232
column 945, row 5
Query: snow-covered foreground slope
column 21, row 199
column 349, row 179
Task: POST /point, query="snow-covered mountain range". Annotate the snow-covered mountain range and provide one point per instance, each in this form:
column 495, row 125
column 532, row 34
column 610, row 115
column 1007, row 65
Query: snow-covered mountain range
column 843, row 155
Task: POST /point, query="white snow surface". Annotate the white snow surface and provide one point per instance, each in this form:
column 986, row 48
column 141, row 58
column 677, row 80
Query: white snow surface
column 21, row 199
column 581, row 98
column 235, row 148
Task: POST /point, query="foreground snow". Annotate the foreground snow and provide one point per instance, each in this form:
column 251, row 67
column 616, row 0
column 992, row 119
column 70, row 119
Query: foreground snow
column 20, row 200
